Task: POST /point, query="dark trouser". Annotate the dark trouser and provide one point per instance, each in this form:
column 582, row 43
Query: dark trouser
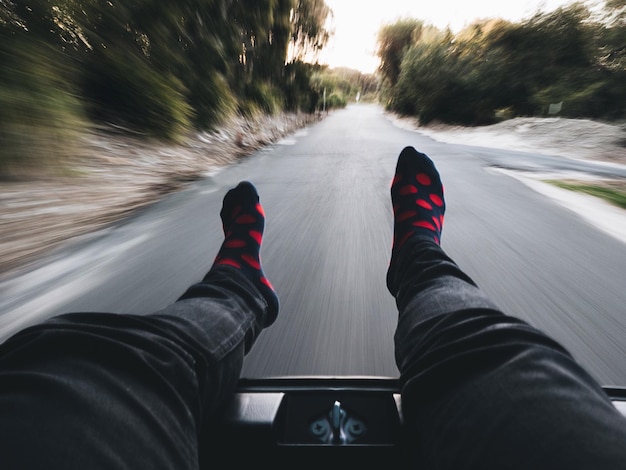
column 108, row 391
column 483, row 390
column 480, row 389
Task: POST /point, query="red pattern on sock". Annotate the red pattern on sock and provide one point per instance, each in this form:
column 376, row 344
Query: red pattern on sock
column 417, row 197
column 243, row 220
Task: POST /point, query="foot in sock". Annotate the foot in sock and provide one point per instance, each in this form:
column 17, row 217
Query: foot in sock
column 417, row 198
column 243, row 221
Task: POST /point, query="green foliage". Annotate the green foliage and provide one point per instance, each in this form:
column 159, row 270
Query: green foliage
column 494, row 68
column 263, row 98
column 213, row 100
column 309, row 33
column 334, row 84
column 428, row 85
column 130, row 92
column 342, row 86
column 159, row 68
column 336, row 100
column 393, row 42
column 40, row 114
column 299, row 91
column 353, row 81
column 612, row 195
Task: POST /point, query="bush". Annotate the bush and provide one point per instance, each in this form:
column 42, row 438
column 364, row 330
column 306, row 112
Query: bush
column 493, row 69
column 298, row 87
column 40, row 115
column 431, row 87
column 213, row 100
column 261, row 97
column 592, row 98
column 128, row 90
column 336, row 100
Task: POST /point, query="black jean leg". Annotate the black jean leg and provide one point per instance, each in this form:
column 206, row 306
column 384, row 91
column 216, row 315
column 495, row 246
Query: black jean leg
column 485, row 390
column 117, row 391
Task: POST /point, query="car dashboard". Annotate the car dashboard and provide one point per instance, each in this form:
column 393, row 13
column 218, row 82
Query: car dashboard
column 340, row 422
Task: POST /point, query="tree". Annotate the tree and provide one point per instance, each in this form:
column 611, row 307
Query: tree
column 432, row 85
column 393, row 41
column 157, row 68
column 496, row 68
column 40, row 114
column 308, row 29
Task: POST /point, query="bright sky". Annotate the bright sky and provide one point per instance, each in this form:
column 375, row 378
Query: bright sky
column 356, row 22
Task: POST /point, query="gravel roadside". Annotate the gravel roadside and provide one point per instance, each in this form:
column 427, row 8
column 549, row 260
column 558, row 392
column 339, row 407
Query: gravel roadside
column 113, row 177
column 570, row 138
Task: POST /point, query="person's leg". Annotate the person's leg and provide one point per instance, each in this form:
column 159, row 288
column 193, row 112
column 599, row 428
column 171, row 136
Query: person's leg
column 482, row 389
column 122, row 391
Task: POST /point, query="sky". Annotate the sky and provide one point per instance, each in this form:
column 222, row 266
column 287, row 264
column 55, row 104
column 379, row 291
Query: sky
column 356, row 22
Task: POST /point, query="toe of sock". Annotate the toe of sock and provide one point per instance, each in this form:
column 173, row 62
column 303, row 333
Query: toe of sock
column 242, row 196
column 411, row 159
column 243, row 191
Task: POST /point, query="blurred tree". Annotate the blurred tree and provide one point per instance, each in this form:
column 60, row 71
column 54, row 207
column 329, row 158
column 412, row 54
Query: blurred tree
column 209, row 47
column 277, row 33
column 393, row 41
column 431, row 84
column 482, row 69
column 335, row 83
column 494, row 68
column 355, row 81
column 308, row 29
column 612, row 38
column 157, row 68
column 300, row 87
column 40, row 114
column 273, row 49
column 132, row 63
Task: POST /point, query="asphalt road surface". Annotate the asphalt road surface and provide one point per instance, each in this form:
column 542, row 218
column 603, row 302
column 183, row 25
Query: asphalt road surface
column 325, row 191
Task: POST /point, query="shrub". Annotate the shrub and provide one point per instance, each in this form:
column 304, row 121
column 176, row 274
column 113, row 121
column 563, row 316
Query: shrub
column 262, row 97
column 130, row 91
column 40, row 115
column 213, row 100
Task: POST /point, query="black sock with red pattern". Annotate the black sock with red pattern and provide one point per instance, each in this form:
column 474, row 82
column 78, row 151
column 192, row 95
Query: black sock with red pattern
column 417, row 198
column 243, row 221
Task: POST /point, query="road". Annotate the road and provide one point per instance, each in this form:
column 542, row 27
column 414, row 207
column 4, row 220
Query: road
column 325, row 191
